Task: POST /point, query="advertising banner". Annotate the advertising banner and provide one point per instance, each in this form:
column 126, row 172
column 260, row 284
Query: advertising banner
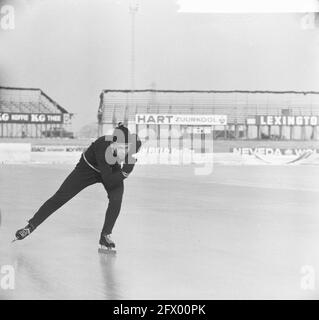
column 57, row 148
column 181, row 119
column 284, row 120
column 9, row 117
column 273, row 151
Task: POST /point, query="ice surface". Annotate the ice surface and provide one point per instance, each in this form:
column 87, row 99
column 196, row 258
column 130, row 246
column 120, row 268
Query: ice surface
column 239, row 233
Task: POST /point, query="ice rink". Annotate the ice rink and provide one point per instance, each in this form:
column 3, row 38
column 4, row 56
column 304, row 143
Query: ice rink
column 242, row 232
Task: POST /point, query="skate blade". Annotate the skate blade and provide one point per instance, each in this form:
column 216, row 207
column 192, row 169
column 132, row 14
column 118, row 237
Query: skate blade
column 107, row 250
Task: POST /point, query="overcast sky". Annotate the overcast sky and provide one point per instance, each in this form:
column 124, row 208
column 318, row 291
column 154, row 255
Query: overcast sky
column 72, row 49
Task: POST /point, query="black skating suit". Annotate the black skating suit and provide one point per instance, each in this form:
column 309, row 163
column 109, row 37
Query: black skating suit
column 97, row 164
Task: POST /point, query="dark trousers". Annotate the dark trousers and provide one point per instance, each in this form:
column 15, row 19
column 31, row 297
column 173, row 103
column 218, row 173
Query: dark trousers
column 81, row 177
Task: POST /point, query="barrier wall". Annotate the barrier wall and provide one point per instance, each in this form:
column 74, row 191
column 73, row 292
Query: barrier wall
column 25, row 153
column 56, row 154
column 15, row 152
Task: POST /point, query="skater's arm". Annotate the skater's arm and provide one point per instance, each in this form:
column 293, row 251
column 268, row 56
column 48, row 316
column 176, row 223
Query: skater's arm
column 128, row 166
column 117, row 177
column 104, row 157
column 130, row 161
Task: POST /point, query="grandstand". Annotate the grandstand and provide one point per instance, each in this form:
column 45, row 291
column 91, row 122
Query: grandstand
column 29, row 112
column 123, row 105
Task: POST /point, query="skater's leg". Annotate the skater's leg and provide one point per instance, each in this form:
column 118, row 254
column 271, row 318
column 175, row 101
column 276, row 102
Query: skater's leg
column 77, row 180
column 115, row 200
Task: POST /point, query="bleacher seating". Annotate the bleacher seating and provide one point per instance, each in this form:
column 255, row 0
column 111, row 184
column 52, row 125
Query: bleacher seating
column 237, row 105
column 22, row 100
column 27, row 100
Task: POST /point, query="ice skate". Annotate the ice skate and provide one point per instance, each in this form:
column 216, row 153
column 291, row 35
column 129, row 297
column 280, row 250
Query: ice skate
column 24, row 232
column 107, row 245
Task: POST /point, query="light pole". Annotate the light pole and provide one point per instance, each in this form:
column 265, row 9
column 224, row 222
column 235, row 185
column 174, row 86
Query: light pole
column 134, row 5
